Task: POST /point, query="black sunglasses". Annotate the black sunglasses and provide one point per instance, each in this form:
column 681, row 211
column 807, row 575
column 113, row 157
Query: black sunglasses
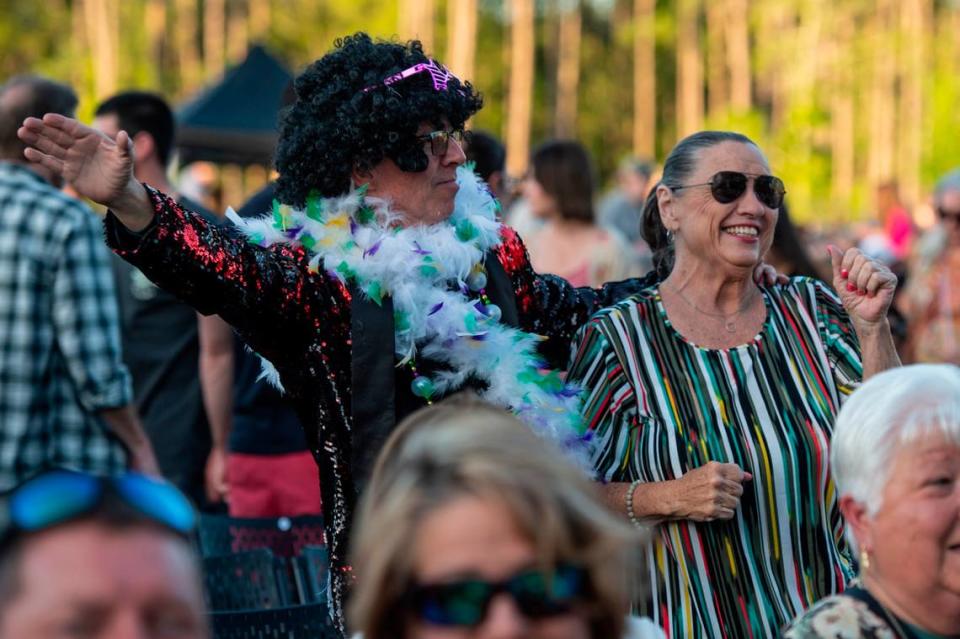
column 537, row 595
column 58, row 496
column 440, row 140
column 728, row 186
column 948, row 216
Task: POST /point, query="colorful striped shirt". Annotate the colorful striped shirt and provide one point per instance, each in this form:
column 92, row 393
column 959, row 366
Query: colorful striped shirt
column 659, row 406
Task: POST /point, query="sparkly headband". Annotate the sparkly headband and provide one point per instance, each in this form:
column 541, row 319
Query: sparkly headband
column 438, row 73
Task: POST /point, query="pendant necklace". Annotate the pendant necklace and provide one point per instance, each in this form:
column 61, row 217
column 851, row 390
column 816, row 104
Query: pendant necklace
column 728, row 319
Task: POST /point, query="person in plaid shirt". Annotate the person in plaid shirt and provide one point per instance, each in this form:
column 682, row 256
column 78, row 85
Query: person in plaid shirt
column 64, row 393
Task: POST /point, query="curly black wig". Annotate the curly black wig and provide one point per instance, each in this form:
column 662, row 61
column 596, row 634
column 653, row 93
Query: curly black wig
column 335, row 126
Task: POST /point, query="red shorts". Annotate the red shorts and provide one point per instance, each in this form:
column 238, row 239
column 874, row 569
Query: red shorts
column 273, row 485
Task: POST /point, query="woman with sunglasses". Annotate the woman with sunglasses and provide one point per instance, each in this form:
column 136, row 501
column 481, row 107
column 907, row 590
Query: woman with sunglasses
column 712, row 399
column 471, row 527
column 931, row 300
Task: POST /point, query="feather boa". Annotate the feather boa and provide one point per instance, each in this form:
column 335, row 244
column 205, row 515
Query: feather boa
column 425, row 270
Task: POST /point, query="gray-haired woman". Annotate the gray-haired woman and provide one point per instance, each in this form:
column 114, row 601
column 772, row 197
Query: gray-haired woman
column 896, row 461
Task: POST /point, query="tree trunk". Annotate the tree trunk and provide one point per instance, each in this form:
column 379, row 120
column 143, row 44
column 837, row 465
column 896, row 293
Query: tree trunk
column 568, row 72
column 214, row 30
column 238, row 34
column 185, row 38
column 882, row 115
column 913, row 14
column 842, row 113
column 155, row 23
column 689, row 68
column 258, row 14
column 520, row 98
column 416, row 22
column 718, row 85
column 462, row 37
column 738, row 55
column 100, row 24
column 644, row 79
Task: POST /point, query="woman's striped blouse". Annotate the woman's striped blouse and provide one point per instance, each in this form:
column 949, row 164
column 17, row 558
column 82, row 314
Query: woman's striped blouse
column 659, row 406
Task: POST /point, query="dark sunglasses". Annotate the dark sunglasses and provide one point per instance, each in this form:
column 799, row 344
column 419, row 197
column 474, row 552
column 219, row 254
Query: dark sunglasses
column 948, row 216
column 537, row 595
column 59, row 496
column 728, row 186
column 440, row 140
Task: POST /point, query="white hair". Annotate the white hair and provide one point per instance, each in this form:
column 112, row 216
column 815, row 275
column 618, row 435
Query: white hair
column 897, row 406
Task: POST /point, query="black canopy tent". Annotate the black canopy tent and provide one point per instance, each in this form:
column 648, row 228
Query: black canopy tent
column 235, row 121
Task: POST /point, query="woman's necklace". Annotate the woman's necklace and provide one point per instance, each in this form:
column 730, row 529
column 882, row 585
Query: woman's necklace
column 726, row 318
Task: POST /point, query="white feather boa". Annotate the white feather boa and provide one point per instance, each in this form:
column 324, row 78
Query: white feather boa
column 424, row 269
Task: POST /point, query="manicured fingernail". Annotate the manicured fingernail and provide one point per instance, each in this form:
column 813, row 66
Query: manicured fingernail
column 844, row 273
column 851, row 286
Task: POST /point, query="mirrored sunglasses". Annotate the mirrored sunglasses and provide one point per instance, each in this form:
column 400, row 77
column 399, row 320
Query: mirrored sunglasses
column 59, row 496
column 537, row 595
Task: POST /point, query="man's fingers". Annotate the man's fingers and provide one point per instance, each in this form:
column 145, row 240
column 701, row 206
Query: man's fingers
column 44, row 160
column 123, row 142
column 49, row 147
column 58, row 121
column 37, row 133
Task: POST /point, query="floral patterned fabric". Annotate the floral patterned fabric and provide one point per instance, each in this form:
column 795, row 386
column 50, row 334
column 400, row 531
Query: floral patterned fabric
column 840, row 617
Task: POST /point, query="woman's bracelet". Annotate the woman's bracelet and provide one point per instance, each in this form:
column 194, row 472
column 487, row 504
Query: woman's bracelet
column 632, row 516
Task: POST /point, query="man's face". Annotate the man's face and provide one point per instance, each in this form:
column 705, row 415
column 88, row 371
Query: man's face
column 85, row 580
column 425, row 197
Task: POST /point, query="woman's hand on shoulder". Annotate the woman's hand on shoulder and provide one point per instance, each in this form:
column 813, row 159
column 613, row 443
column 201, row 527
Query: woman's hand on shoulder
column 764, row 274
column 709, row 492
column 865, row 286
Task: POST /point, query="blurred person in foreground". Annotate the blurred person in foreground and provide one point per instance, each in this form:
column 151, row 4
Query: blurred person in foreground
column 559, row 189
column 83, row 556
column 472, row 527
column 383, row 283
column 161, row 336
column 712, row 399
column 895, row 456
column 65, row 397
column 931, row 299
column 622, row 208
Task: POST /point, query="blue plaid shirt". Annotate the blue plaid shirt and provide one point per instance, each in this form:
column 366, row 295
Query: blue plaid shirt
column 59, row 334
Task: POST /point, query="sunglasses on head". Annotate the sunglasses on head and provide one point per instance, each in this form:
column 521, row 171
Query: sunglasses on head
column 440, row 140
column 948, row 216
column 728, row 186
column 58, row 496
column 537, row 595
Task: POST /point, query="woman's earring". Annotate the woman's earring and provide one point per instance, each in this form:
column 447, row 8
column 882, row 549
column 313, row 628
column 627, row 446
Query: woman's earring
column 864, row 560
column 669, row 236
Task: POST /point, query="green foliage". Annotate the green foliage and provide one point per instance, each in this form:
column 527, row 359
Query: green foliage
column 793, row 127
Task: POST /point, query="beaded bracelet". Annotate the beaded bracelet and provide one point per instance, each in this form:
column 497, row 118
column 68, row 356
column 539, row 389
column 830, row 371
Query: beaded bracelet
column 632, row 516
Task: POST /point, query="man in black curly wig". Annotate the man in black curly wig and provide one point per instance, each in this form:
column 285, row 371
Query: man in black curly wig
column 346, row 121
column 371, row 148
